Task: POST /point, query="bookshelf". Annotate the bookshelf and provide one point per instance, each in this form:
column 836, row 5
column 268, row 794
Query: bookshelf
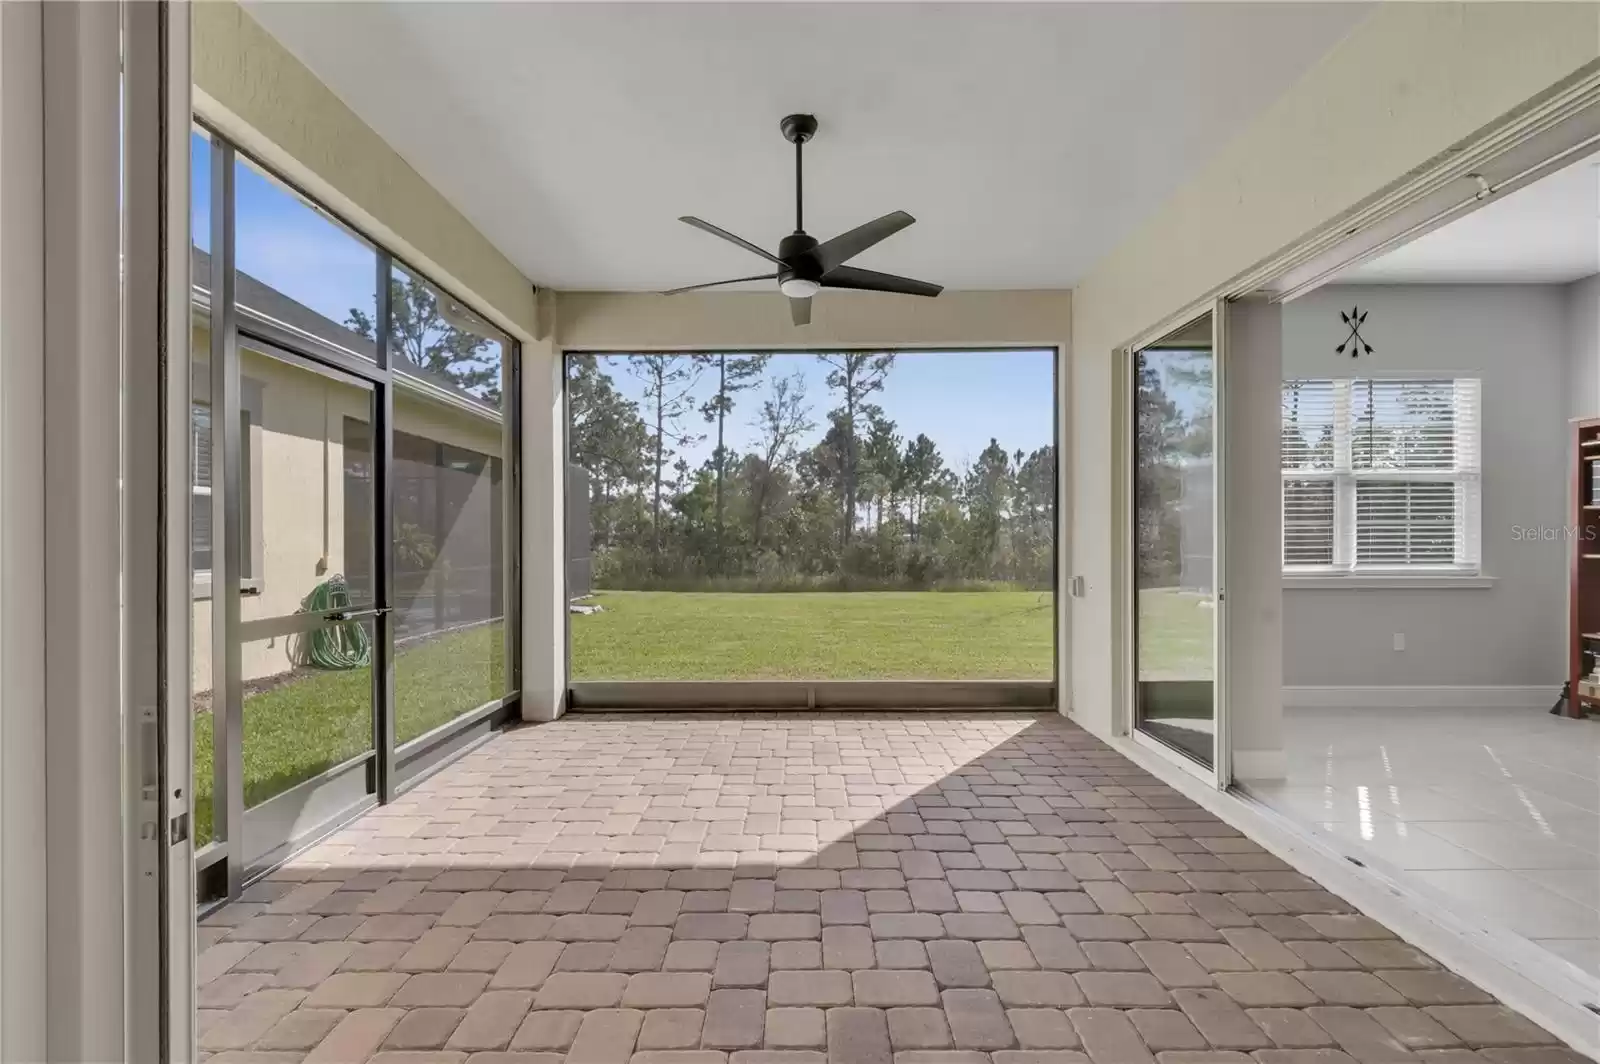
column 1584, row 593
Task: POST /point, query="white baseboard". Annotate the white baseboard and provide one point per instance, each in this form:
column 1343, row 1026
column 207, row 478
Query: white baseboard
column 1532, row 696
column 1260, row 764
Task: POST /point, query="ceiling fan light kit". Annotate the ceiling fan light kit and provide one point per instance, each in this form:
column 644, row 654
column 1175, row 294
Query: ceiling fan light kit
column 805, row 267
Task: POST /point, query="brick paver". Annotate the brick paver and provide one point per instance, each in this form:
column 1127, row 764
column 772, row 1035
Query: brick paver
column 908, row 888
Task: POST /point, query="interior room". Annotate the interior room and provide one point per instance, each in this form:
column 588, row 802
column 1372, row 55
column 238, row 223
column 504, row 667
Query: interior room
column 1438, row 566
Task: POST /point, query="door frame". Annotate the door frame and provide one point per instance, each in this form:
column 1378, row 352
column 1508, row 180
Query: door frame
column 157, row 726
column 1220, row 773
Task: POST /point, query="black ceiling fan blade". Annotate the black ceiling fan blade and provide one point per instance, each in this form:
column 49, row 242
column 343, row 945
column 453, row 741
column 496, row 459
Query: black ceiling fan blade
column 800, row 310
column 841, row 249
column 873, row 281
column 701, row 223
column 714, row 284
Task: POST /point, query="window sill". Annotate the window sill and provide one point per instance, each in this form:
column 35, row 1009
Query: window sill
column 1385, row 581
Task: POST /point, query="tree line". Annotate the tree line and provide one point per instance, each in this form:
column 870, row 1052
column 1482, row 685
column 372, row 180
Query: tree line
column 866, row 506
column 1169, row 439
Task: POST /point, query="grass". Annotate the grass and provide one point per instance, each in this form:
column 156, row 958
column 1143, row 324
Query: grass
column 1176, row 634
column 311, row 720
column 866, row 635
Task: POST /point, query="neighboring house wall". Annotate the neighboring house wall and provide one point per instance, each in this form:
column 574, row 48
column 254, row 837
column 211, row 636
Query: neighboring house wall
column 297, row 489
column 1512, row 337
column 1406, row 85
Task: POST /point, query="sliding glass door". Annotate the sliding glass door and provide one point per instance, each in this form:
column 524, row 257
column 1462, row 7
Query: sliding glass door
column 1175, row 549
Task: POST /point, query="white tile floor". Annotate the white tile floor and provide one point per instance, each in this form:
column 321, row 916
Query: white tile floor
column 1497, row 811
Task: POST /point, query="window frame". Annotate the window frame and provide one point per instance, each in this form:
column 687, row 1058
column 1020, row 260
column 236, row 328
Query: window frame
column 1466, row 476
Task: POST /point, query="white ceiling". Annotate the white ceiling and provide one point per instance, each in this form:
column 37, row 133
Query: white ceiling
column 1546, row 233
column 1027, row 139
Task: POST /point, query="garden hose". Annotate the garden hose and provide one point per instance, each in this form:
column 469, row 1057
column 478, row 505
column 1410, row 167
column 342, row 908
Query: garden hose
column 343, row 644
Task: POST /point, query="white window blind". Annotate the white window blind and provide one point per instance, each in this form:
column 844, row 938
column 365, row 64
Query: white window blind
column 1381, row 475
column 200, row 505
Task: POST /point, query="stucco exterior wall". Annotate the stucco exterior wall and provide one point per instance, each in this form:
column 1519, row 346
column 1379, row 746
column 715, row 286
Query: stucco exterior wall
column 255, row 91
column 640, row 321
column 1408, row 83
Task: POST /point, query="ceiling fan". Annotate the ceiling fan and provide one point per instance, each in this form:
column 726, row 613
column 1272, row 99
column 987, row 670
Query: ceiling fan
column 805, row 266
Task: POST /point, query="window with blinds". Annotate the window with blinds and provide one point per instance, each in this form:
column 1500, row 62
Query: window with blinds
column 200, row 505
column 1381, row 475
column 201, row 541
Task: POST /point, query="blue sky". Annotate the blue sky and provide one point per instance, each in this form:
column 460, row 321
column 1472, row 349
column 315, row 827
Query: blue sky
column 284, row 242
column 959, row 398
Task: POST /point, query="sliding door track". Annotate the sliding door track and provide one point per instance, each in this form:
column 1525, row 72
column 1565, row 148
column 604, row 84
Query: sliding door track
column 602, row 695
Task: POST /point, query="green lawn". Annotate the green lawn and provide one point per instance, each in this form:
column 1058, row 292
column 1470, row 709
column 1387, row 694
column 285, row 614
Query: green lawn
column 313, row 720
column 815, row 635
column 1176, row 634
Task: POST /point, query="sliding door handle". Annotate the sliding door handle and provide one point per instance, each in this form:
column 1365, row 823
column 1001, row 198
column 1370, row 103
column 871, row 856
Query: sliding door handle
column 355, row 615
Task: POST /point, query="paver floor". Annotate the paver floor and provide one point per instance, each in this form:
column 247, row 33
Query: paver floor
column 919, row 888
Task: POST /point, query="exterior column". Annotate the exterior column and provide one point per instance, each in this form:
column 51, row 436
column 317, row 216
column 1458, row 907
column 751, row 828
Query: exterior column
column 544, row 573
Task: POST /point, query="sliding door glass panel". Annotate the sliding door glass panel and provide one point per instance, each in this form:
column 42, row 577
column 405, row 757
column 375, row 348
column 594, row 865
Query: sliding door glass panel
column 1174, row 571
column 299, row 269
column 443, row 346
column 200, row 484
column 812, row 515
column 306, row 634
column 449, row 490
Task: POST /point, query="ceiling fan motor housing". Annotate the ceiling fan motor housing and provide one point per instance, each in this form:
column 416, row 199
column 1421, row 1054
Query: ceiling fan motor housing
column 794, row 250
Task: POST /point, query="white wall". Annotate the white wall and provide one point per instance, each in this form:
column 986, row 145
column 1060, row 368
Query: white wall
column 1408, row 83
column 1252, row 577
column 1581, row 302
column 1512, row 337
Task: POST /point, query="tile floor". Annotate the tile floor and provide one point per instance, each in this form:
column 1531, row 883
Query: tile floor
column 1494, row 810
column 916, row 889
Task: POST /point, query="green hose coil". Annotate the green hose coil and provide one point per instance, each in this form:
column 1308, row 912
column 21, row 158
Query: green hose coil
column 342, row 645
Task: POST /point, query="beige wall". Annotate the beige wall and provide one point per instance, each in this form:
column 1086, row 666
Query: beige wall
column 1408, row 83
column 251, row 88
column 640, row 321
column 296, row 484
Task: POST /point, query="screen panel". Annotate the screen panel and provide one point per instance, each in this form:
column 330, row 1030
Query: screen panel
column 811, row 516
